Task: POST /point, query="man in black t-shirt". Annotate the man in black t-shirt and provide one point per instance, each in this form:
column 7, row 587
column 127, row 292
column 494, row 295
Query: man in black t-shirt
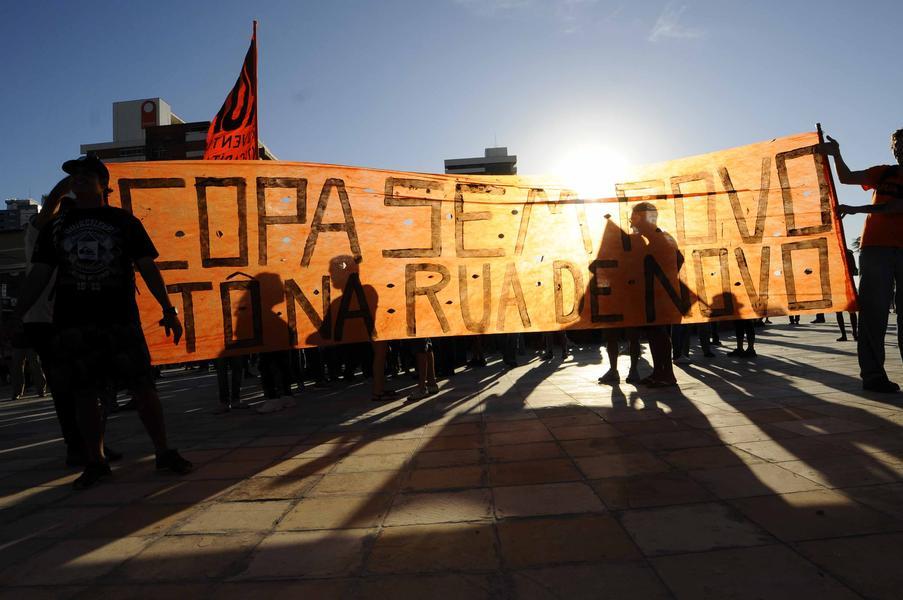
column 94, row 249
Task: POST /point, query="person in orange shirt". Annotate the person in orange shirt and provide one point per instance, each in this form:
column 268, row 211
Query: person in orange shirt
column 880, row 259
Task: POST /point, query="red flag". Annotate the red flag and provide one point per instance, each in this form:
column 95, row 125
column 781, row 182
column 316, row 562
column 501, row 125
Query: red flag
column 233, row 132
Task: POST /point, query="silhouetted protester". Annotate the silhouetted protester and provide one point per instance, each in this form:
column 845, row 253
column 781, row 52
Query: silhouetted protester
column 426, row 369
column 510, row 342
column 661, row 246
column 854, row 321
column 477, row 357
column 680, row 341
column 745, row 328
column 549, row 340
column 613, row 339
column 229, row 375
column 352, row 316
column 880, row 257
column 97, row 337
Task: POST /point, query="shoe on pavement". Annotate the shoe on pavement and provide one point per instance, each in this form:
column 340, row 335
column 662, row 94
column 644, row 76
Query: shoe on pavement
column 737, row 352
column 270, row 405
column 882, row 386
column 92, row 475
column 749, row 353
column 612, row 377
column 842, row 338
column 633, row 377
column 432, row 389
column 419, row 394
column 171, row 460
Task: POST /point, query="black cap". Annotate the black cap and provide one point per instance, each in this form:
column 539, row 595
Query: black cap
column 88, row 163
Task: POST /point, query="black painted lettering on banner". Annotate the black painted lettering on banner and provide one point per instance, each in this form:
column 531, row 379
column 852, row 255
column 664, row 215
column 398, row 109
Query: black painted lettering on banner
column 412, row 290
column 596, row 290
column 154, row 183
column 462, row 217
column 761, row 206
column 652, row 272
column 705, row 307
column 317, row 226
column 824, row 197
column 512, row 292
column 565, row 197
column 758, row 298
column 241, row 208
column 576, row 307
column 295, row 295
column 299, row 185
column 824, row 274
column 483, row 324
column 185, row 290
column 252, row 292
column 711, row 235
column 353, row 289
column 428, row 186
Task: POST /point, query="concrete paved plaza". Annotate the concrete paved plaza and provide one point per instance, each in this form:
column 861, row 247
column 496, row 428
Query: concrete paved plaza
column 773, row 478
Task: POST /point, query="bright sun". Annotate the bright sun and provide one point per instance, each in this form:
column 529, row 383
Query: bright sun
column 591, row 170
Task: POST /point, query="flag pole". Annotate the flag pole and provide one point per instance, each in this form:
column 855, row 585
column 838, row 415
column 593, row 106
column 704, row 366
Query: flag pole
column 851, row 289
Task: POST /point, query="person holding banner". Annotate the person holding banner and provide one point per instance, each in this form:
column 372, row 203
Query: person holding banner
column 644, row 220
column 880, row 259
column 94, row 249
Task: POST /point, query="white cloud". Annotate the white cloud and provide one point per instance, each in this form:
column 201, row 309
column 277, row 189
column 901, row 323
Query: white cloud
column 669, row 25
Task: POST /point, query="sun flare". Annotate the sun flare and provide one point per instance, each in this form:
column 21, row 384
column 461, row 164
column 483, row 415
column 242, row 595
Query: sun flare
column 591, row 170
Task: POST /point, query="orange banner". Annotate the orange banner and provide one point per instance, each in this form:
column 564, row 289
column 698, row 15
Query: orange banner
column 267, row 255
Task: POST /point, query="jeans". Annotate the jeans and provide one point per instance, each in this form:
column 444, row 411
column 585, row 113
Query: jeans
column 880, row 268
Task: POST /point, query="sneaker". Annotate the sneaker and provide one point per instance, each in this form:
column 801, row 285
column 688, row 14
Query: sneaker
column 432, row 389
column 418, row 394
column 171, row 460
column 270, row 405
column 633, row 377
column 92, row 475
column 882, row 386
column 612, row 377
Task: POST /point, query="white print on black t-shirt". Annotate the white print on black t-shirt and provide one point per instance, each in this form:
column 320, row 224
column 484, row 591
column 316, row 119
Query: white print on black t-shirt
column 93, row 250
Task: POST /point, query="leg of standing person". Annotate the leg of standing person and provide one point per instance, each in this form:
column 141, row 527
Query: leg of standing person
column 842, row 327
column 378, row 390
column 660, row 348
column 739, row 332
column 703, row 330
column 750, row 329
column 854, row 324
column 876, row 290
column 426, row 371
column 612, row 346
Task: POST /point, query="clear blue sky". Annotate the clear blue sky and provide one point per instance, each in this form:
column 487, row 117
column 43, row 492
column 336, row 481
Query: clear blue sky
column 405, row 84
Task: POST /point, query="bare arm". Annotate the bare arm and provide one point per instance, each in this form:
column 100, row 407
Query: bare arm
column 52, row 202
column 154, row 280
column 844, row 173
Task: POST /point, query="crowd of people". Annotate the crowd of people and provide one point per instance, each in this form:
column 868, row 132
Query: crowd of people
column 76, row 321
